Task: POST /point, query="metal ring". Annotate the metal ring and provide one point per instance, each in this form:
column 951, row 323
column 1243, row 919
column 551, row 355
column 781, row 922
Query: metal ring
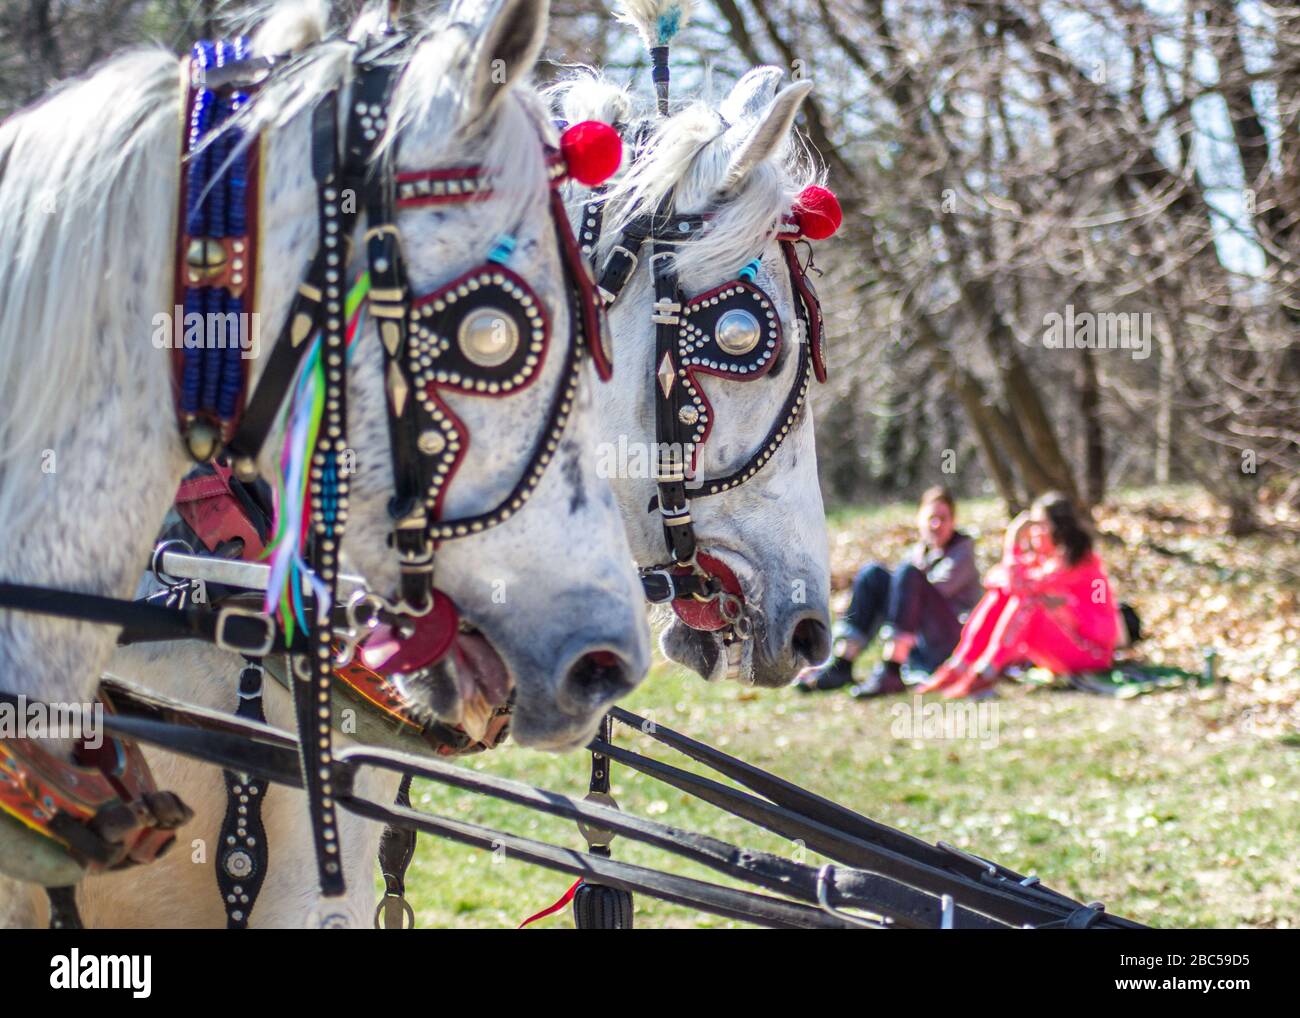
column 356, row 600
column 731, row 607
column 408, row 913
column 155, row 563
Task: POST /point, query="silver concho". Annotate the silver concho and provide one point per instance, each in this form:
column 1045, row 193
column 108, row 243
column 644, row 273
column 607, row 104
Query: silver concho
column 431, row 442
column 488, row 337
column 737, row 332
column 239, row 864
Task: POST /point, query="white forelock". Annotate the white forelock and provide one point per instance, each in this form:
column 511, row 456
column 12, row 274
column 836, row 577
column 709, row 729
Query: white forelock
column 688, row 154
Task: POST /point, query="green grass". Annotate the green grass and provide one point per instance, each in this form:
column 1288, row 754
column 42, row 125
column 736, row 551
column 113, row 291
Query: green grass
column 1082, row 791
column 1177, row 809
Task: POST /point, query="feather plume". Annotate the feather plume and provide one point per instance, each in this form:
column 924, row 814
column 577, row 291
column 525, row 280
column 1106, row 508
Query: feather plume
column 656, row 21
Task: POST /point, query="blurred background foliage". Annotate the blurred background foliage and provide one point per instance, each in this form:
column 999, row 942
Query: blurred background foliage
column 998, row 162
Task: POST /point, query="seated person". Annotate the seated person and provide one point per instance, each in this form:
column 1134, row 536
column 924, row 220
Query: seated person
column 922, row 602
column 1048, row 602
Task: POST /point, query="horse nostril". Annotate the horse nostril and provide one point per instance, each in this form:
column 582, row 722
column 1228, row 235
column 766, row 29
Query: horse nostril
column 811, row 641
column 597, row 678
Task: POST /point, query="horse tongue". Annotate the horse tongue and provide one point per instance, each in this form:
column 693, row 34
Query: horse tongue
column 482, row 680
column 477, row 657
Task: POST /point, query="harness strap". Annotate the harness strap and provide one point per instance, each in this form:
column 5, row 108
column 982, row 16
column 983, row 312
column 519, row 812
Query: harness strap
column 389, row 304
column 64, row 914
column 242, row 849
column 679, row 534
column 230, row 627
column 396, row 850
column 625, row 255
column 661, row 586
column 305, row 312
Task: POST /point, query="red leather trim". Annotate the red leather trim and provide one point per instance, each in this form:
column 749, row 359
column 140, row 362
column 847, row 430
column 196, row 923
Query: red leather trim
column 215, row 515
column 693, row 369
column 463, row 433
column 448, row 173
column 813, row 305
column 519, row 281
column 592, row 308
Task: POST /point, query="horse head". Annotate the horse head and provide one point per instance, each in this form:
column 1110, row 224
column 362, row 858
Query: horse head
column 733, row 378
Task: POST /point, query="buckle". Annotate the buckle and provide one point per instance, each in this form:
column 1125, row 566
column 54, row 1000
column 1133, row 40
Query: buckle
column 630, row 255
column 658, row 586
column 225, row 615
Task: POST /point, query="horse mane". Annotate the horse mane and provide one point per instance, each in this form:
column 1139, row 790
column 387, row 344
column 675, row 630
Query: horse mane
column 85, row 175
column 685, row 155
column 90, row 173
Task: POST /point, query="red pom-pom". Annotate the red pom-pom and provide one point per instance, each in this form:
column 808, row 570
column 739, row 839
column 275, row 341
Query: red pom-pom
column 818, row 212
column 592, row 152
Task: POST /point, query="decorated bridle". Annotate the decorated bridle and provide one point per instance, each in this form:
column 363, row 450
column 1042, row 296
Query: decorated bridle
column 484, row 333
column 732, row 331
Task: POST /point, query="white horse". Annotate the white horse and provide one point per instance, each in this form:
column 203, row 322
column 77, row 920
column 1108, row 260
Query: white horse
column 180, row 890
column 736, row 162
column 88, row 193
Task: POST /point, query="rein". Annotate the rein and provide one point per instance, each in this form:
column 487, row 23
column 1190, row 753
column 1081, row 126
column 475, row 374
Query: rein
column 898, row 881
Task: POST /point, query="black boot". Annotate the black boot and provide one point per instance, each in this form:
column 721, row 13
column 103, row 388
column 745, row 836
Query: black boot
column 834, row 674
column 885, row 678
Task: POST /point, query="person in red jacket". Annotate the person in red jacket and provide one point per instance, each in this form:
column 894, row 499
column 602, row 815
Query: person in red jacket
column 1048, row 602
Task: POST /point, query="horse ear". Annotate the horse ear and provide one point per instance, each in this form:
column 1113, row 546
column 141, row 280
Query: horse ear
column 751, row 94
column 510, row 38
column 766, row 135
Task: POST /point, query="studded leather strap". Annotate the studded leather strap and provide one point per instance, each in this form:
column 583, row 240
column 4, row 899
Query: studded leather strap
column 679, row 534
column 242, row 851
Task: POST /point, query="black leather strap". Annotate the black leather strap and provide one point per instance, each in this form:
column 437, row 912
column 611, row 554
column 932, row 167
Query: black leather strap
column 679, row 534
column 660, row 586
column 396, row 850
column 143, row 622
column 242, row 850
column 305, row 313
column 623, row 258
column 64, row 914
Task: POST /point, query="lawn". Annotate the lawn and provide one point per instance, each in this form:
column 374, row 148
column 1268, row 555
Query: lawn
column 1178, row 808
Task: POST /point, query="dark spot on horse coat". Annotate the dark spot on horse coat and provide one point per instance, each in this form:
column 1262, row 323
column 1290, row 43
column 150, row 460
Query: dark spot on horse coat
column 573, row 474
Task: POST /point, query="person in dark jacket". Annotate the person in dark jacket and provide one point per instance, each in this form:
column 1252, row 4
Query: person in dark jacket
column 922, row 603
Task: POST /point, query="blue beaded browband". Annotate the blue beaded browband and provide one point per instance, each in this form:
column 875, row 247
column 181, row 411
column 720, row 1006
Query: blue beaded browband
column 216, row 263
